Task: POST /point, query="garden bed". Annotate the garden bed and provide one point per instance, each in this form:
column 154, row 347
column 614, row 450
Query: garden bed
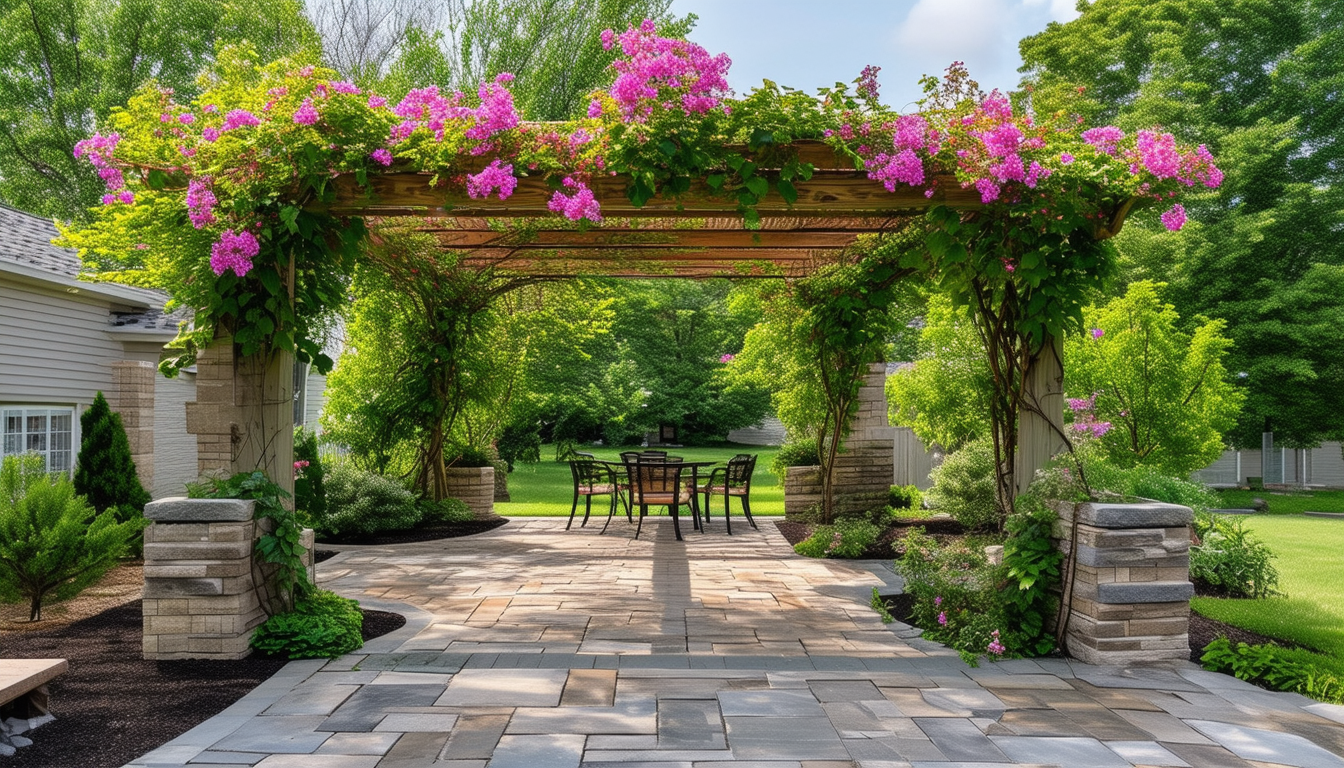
column 113, row 706
column 887, row 546
column 429, row 532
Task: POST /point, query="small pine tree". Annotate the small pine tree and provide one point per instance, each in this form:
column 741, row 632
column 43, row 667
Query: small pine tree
column 105, row 472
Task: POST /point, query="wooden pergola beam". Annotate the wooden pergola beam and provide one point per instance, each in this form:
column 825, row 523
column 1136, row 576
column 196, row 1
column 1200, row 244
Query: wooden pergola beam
column 627, row 238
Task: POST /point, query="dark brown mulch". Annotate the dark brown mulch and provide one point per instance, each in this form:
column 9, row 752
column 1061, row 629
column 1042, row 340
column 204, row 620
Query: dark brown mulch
column 432, row 532
column 320, row 555
column 113, row 706
column 887, row 546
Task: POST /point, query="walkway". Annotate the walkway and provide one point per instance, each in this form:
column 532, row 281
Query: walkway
column 531, row 646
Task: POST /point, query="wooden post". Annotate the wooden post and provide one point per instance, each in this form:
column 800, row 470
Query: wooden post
column 1040, row 438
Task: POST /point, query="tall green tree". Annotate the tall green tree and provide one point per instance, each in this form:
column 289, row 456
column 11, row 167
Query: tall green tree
column 1259, row 82
column 105, row 471
column 68, row 63
column 1165, row 393
column 944, row 396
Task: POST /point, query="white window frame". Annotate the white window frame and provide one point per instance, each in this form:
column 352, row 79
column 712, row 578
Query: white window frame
column 40, row 409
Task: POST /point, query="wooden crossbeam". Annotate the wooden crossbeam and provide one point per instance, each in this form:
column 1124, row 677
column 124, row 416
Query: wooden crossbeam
column 626, row 238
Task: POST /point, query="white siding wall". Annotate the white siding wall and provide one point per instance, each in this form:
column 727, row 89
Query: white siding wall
column 174, row 449
column 1324, row 466
column 768, row 432
column 912, row 462
column 315, row 401
column 54, row 346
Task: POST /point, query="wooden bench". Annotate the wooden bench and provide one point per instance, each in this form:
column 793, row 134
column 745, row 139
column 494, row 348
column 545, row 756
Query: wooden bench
column 23, row 686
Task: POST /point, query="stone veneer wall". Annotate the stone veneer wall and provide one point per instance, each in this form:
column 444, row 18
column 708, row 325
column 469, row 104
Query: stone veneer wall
column 863, row 473
column 132, row 397
column 201, row 597
column 1130, row 600
column 475, row 486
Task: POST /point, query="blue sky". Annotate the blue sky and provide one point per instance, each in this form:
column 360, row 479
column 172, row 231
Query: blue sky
column 811, row 43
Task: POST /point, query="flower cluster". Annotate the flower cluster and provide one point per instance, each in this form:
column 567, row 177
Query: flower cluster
column 995, row 647
column 234, row 251
column 97, row 150
column 653, row 63
column 428, row 108
column 496, row 176
column 579, row 205
column 1085, row 421
column 200, row 202
column 867, row 86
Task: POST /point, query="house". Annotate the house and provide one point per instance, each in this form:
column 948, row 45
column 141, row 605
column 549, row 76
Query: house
column 63, row 340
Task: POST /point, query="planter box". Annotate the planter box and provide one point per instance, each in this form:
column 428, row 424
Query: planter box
column 861, row 485
column 475, row 486
column 802, row 491
column 1130, row 602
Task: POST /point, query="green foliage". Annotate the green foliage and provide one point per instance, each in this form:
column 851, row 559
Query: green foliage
column 519, row 442
column 944, row 396
column 469, row 457
column 1230, row 559
column 53, row 543
column 1271, row 667
column 360, row 502
column 105, row 473
column 322, row 625
column 310, row 491
column 963, row 486
column 957, row 600
column 880, row 605
column 904, row 497
column 794, row 455
column 1164, row 391
column 445, row 511
column 71, row 64
column 280, row 547
column 847, row 538
column 1259, row 87
column 1031, row 562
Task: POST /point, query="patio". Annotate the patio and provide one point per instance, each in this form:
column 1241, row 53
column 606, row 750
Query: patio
column 530, row 646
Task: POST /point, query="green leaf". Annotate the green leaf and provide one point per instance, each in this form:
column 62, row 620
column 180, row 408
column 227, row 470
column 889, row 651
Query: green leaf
column 787, row 191
column 668, row 147
column 715, row 180
column 758, row 185
column 157, row 179
column 270, row 279
column 760, row 137
column 289, row 215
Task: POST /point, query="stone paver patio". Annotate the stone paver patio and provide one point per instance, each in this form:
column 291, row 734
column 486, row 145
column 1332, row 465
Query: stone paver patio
column 531, row 646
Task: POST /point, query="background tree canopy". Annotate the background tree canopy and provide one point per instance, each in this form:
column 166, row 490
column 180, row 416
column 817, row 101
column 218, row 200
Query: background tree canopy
column 1259, row 82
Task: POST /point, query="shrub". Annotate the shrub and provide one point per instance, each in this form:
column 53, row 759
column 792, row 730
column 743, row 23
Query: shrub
column 1230, row 559
column 361, row 503
column 963, row 486
column 1270, row 666
column 322, row 625
column 104, row 471
column 310, row 490
column 469, row 457
column 794, row 455
column 904, row 497
column 847, row 538
column 519, row 443
column 445, row 511
column 52, row 542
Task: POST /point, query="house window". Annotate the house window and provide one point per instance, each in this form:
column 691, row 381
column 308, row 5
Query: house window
column 46, row 431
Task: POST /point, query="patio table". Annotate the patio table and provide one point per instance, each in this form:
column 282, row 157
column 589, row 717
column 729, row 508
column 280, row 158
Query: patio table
column 694, row 466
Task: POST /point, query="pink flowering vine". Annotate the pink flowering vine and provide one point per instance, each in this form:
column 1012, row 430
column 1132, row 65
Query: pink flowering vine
column 1174, row 218
column 306, row 114
column 239, row 118
column 579, row 205
column 200, row 202
column 995, row 647
column 867, row 87
column 381, row 156
column 653, row 63
column 495, row 176
column 234, row 251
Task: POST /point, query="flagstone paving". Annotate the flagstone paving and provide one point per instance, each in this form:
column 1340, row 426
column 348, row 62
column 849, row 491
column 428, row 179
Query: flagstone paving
column 530, row 646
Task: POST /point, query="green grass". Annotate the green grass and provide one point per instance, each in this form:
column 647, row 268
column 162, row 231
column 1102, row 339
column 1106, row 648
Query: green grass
column 1311, row 574
column 545, row 489
column 1285, row 502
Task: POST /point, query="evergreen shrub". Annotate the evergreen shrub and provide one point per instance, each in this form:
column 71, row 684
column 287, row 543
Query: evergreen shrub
column 105, row 472
column 360, row 502
column 963, row 486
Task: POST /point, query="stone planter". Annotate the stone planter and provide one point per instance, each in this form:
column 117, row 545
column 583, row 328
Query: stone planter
column 802, row 491
column 1130, row 598
column 475, row 486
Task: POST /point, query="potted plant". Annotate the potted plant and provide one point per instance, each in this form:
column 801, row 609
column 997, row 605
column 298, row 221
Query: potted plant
column 470, row 477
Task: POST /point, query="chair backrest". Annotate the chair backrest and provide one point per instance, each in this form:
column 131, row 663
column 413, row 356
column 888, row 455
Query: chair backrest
column 740, row 468
column 629, row 456
column 653, row 453
column 588, row 473
column 654, row 478
column 584, row 455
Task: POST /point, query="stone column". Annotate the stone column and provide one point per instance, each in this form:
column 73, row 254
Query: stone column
column 133, row 398
column 199, row 599
column 1130, row 601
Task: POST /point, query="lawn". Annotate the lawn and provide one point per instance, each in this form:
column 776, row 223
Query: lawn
column 546, row 488
column 1311, row 574
column 1285, row 502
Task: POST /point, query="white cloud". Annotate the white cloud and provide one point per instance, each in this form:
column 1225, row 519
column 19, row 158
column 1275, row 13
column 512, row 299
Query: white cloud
column 1060, row 10
column 948, row 30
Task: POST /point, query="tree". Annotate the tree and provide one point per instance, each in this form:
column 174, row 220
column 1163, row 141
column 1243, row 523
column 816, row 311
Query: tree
column 105, row 471
column 1258, row 81
column 1165, row 392
column 944, row 396
column 68, row 63
column 52, row 542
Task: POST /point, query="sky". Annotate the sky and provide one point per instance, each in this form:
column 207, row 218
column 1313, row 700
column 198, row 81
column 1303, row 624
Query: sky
column 808, row 44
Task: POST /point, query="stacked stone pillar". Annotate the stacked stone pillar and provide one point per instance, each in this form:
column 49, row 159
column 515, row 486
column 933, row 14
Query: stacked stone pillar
column 863, row 473
column 199, row 600
column 1130, row 598
column 132, row 397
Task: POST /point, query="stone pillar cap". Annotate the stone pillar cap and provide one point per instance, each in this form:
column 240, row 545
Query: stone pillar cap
column 180, row 509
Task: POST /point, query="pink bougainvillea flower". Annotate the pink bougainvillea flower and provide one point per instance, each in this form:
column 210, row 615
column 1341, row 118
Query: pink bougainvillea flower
column 210, row 134
column 1066, row 158
column 726, row 358
column 306, row 114
column 1097, row 333
column 346, row 88
column 495, row 176
column 580, row 205
column 905, row 167
column 186, row 118
column 1174, row 218
column 377, row 102
column 239, row 118
column 234, row 251
column 1159, row 154
column 989, row 191
column 1104, row 138
column 200, row 202
column 868, row 82
column 942, row 618
column 995, row 647
column 595, row 108
column 381, row 156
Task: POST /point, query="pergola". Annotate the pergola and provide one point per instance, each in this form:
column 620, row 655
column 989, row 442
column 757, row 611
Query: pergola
column 698, row 234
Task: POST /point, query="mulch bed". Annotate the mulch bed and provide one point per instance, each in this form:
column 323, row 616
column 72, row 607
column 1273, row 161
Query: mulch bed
column 113, row 706
column 432, row 532
column 887, row 546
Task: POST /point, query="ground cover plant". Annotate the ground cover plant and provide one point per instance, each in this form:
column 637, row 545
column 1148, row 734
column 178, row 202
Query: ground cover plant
column 546, row 488
column 1282, row 501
